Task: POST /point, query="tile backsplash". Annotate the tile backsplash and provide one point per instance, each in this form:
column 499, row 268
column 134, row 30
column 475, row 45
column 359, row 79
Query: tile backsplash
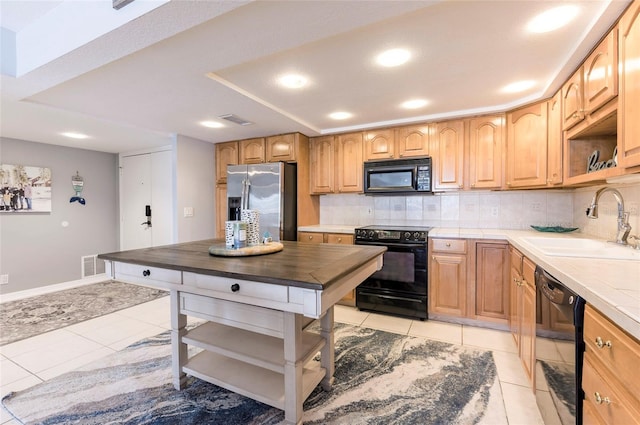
column 485, row 209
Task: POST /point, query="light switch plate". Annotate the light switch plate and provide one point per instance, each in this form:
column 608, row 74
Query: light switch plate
column 188, row 211
column 4, row 279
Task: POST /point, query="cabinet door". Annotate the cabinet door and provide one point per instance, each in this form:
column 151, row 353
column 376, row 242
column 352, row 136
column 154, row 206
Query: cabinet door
column 554, row 142
column 221, row 209
column 349, row 164
column 572, row 103
column 379, row 144
column 492, row 281
column 527, row 146
column 412, row 140
column 448, row 155
column 601, row 73
column 515, row 293
column 281, row 148
column 629, row 106
column 486, row 143
column 252, row 151
column 226, row 154
column 448, row 274
column 322, row 165
column 528, row 331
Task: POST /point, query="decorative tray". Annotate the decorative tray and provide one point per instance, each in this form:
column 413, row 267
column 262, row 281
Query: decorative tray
column 554, row 229
column 221, row 250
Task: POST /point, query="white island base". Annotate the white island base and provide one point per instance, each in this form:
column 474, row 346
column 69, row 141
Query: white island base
column 258, row 352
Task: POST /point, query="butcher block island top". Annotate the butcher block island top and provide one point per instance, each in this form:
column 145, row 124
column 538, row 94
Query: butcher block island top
column 255, row 340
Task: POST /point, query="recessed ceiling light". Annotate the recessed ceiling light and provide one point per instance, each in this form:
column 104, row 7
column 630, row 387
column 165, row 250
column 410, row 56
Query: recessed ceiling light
column 393, row 57
column 293, row 81
column 414, row 104
column 340, row 115
column 211, row 124
column 553, row 19
column 518, row 86
column 74, row 135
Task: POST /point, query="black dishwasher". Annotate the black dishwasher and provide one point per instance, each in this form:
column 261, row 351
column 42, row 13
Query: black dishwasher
column 558, row 384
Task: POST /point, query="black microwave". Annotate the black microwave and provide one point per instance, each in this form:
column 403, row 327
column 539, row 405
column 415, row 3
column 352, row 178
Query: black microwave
column 398, row 176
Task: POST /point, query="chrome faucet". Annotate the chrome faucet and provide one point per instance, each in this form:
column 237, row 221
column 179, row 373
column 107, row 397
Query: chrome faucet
column 623, row 217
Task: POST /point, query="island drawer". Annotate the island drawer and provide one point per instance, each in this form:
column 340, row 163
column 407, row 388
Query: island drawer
column 237, row 289
column 145, row 275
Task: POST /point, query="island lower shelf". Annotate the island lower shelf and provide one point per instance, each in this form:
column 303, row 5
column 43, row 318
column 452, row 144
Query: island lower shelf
column 250, row 363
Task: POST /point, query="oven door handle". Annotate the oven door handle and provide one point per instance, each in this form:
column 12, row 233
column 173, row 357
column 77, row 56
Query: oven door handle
column 391, row 297
column 402, row 246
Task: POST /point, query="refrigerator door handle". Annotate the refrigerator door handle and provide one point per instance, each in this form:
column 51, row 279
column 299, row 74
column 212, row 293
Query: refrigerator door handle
column 244, row 202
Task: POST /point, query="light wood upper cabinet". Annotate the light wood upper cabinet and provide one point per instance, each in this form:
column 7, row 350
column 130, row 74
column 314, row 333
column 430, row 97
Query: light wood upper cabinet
column 412, row 140
column 226, row 154
column 629, row 107
column 252, row 151
column 572, row 103
column 554, row 142
column 527, row 146
column 448, row 155
column 600, row 76
column 379, row 144
column 486, row 144
column 281, row 148
column 322, row 165
column 349, row 163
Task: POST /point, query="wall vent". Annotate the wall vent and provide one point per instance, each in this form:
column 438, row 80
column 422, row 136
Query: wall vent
column 92, row 265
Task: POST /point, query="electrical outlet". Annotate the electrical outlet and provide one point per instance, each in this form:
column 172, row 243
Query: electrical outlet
column 536, row 206
column 494, row 211
column 633, row 208
column 4, row 279
column 188, row 211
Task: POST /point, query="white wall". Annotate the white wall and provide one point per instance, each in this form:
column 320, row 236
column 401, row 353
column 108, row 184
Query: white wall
column 195, row 188
column 35, row 249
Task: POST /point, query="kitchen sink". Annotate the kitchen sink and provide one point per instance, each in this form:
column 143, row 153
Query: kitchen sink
column 580, row 247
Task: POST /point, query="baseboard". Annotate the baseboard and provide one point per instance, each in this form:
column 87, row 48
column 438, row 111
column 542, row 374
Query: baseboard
column 18, row 295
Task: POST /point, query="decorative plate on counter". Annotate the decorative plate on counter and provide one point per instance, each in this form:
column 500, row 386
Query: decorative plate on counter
column 554, row 229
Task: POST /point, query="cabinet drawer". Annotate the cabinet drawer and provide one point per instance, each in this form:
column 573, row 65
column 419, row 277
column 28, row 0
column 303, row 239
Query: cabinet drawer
column 237, row 289
column 620, row 353
column 339, row 238
column 599, row 394
column 145, row 275
column 311, row 237
column 450, row 245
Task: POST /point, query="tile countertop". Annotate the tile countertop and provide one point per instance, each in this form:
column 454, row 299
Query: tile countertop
column 611, row 286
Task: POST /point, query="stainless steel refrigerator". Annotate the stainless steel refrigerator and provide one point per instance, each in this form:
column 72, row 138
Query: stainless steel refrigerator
column 269, row 188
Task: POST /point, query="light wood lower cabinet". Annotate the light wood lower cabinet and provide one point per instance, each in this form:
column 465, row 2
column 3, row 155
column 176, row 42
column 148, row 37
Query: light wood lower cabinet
column 609, row 377
column 522, row 315
column 336, row 238
column 448, row 277
column 492, row 282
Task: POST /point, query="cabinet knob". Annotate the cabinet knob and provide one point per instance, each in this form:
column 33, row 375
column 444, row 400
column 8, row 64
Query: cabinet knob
column 600, row 399
column 146, row 273
column 601, row 344
column 310, row 237
column 448, row 244
column 339, row 239
column 235, row 287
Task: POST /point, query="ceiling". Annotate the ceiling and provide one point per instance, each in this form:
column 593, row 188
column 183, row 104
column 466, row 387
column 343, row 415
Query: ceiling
column 158, row 68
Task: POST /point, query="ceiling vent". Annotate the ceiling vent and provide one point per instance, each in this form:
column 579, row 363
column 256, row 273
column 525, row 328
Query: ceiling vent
column 235, row 119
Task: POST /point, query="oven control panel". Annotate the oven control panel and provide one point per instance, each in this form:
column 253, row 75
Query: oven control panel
column 397, row 236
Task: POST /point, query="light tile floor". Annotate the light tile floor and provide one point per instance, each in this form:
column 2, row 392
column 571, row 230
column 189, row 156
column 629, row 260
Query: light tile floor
column 26, row 363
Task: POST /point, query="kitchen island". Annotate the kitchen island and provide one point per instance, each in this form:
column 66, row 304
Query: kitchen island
column 254, row 341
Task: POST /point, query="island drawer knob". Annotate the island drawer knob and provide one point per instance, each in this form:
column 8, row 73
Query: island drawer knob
column 235, row 287
column 146, row 273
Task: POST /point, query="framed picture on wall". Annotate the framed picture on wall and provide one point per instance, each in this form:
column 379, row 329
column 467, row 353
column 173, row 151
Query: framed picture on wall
column 24, row 188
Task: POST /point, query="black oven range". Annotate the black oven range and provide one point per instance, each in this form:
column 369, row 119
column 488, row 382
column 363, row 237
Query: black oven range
column 400, row 287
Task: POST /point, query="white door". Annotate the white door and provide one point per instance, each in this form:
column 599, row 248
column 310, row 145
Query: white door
column 146, row 180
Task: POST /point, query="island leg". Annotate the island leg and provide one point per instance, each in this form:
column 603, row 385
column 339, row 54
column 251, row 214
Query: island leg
column 293, row 368
column 178, row 348
column 327, row 354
